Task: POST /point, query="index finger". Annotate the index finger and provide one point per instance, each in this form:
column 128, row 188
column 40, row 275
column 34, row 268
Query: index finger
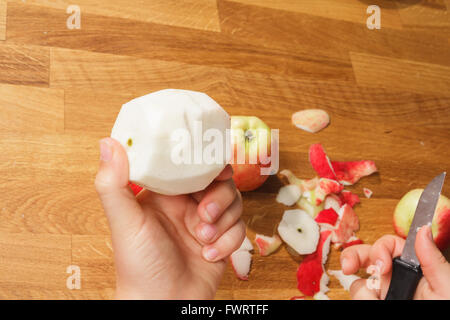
column 355, row 257
column 226, row 174
column 384, row 250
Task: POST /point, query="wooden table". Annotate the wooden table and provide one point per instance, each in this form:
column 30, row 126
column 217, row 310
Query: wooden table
column 387, row 92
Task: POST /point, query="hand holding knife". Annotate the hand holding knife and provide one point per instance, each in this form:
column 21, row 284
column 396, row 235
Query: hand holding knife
column 406, row 272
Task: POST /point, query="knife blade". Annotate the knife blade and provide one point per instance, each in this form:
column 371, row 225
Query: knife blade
column 406, row 272
column 424, row 215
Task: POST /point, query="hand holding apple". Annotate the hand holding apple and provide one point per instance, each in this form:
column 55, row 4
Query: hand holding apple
column 168, row 247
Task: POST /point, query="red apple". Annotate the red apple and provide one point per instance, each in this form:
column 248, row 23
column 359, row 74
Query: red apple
column 404, row 213
column 251, row 147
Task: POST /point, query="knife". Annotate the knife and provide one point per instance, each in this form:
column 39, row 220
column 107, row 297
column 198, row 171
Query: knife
column 406, row 271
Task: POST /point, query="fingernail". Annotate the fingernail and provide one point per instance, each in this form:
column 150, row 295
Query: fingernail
column 207, row 232
column 343, row 263
column 212, row 211
column 211, row 254
column 105, row 151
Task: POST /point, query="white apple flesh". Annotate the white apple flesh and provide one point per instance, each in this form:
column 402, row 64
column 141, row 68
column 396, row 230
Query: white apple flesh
column 146, row 128
column 299, row 230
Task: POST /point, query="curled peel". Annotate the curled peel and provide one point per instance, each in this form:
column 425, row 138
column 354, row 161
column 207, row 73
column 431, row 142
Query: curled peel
column 267, row 245
column 241, row 259
column 289, row 195
column 326, row 187
column 346, row 281
column 311, row 120
column 332, row 201
column 320, row 162
column 347, row 225
column 347, row 197
column 346, row 172
column 349, row 172
column 311, row 275
column 304, row 185
column 323, row 248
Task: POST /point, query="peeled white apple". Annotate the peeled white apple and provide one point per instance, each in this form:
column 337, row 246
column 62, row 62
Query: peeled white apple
column 170, row 137
column 299, row 230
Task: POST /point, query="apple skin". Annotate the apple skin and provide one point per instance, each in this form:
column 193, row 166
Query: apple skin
column 247, row 176
column 404, row 213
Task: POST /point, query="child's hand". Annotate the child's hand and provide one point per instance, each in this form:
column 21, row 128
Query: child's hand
column 168, row 247
column 435, row 283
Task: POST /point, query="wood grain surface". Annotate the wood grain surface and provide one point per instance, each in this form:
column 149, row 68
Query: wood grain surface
column 387, row 92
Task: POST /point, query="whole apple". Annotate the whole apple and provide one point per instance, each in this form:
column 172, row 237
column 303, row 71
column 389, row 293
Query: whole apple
column 404, row 214
column 251, row 145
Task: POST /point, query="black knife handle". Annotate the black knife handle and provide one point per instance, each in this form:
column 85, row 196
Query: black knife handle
column 404, row 281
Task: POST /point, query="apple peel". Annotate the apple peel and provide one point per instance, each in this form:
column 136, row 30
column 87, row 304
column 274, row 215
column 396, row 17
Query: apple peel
column 347, row 225
column 289, row 195
column 326, row 187
column 353, row 241
column 320, row 162
column 327, row 216
column 307, row 203
column 305, row 185
column 349, row 172
column 246, row 245
column 311, row 120
column 298, row 298
column 323, row 248
column 267, row 245
column 135, row 188
column 241, row 259
column 346, row 281
column 321, row 296
column 367, row 192
column 311, row 275
column 332, row 201
column 348, row 197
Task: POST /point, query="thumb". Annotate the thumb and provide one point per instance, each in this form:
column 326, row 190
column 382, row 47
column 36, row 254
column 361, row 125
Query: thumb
column 434, row 266
column 120, row 205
